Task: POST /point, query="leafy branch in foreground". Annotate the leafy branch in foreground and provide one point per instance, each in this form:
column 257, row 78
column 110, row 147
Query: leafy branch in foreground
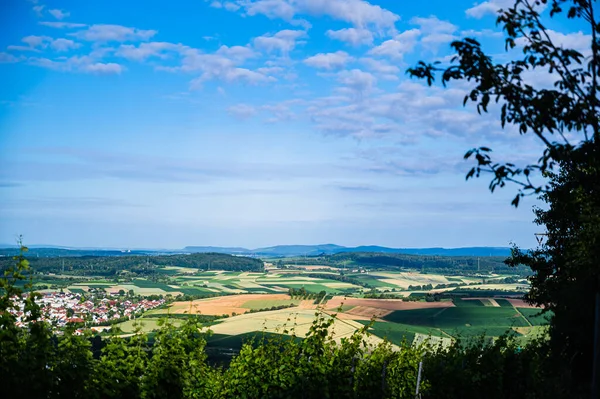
column 563, row 116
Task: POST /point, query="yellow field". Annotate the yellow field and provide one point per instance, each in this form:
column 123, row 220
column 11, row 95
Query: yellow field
column 147, row 325
column 278, row 321
column 231, row 304
column 404, row 280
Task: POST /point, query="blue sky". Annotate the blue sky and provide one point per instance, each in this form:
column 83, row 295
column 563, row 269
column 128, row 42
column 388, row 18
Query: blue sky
column 248, row 122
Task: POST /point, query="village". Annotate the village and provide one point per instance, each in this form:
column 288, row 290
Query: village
column 95, row 311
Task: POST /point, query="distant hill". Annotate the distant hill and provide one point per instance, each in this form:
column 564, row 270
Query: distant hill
column 299, row 250
column 275, row 251
column 218, row 250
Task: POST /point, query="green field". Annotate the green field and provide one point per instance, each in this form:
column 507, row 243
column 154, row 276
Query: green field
column 397, row 332
column 468, row 303
column 534, row 316
column 504, row 303
column 468, row 318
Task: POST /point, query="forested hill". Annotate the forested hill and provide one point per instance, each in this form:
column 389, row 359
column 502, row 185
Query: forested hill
column 141, row 265
column 330, row 249
column 425, row 263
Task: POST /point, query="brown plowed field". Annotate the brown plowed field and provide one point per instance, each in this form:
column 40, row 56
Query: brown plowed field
column 519, row 303
column 368, row 312
column 384, row 304
column 226, row 304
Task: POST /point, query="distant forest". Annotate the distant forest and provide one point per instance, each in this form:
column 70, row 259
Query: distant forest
column 424, row 263
column 137, row 264
column 110, row 264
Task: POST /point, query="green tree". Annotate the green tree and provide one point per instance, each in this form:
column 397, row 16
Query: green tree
column 566, row 119
column 120, row 367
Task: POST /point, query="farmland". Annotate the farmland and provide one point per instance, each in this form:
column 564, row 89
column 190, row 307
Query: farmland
column 401, row 304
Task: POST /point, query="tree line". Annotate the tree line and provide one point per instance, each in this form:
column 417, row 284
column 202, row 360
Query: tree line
column 450, row 265
column 110, row 266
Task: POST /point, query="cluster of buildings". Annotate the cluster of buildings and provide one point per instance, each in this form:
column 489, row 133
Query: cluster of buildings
column 61, row 308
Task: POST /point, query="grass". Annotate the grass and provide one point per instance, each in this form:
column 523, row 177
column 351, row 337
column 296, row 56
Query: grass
column 77, row 290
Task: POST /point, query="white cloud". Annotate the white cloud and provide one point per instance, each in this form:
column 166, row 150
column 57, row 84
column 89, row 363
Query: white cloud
column 85, row 64
column 328, row 60
column 395, row 48
column 432, row 24
column 42, row 42
column 281, row 112
column 64, row 44
column 113, row 33
column 435, row 31
column 576, row 40
column 271, row 70
column 379, row 66
column 359, row 82
column 283, row 41
column 270, row 8
column 481, row 33
column 237, row 53
column 103, row 69
column 59, row 14
column 39, row 10
column 146, row 50
column 351, row 36
column 7, row 58
column 36, row 41
column 488, row 7
column 493, row 6
column 359, row 13
column 242, row 111
column 22, row 48
column 62, row 25
column 230, row 6
column 218, row 67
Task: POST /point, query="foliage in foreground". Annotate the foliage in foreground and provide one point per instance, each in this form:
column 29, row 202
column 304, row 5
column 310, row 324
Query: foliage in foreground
column 564, row 117
column 36, row 364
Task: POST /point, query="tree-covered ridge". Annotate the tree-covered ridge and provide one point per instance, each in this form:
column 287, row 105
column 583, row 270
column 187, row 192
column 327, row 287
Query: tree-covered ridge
column 141, row 265
column 430, row 263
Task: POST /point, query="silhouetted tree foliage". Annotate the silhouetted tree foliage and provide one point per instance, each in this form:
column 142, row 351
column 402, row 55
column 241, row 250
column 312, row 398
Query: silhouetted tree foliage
column 565, row 117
